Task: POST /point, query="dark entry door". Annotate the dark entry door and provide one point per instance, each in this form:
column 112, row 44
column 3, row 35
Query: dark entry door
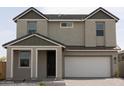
column 51, row 63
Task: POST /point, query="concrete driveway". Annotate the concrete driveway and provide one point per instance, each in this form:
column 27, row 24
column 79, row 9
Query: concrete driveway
column 95, row 82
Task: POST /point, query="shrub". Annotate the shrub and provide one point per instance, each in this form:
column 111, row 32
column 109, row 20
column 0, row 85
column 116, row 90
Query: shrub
column 3, row 59
column 41, row 84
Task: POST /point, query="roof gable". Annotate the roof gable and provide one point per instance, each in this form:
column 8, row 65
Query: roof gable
column 33, row 40
column 29, row 14
column 100, row 15
column 101, row 11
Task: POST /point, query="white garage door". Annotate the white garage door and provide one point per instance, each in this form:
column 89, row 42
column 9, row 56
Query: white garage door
column 87, row 67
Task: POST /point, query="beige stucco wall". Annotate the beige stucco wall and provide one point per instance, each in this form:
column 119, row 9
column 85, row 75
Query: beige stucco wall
column 100, row 40
column 110, row 33
column 22, row 27
column 90, row 33
column 82, row 33
column 42, row 27
column 91, row 40
column 68, row 36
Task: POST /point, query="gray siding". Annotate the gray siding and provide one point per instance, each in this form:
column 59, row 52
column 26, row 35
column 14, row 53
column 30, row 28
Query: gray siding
column 68, row 36
column 34, row 41
column 31, row 15
column 20, row 73
column 100, row 15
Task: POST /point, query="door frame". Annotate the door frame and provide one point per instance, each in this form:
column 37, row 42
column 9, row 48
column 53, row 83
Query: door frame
column 52, row 48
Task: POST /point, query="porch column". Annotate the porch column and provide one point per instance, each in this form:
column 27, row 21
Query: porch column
column 59, row 63
column 34, row 64
column 9, row 64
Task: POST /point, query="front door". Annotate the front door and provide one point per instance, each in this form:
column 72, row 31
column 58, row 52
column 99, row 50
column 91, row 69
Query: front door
column 51, row 63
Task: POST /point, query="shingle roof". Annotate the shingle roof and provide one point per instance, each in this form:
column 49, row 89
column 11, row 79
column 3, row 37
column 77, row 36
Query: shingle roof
column 90, row 48
column 66, row 16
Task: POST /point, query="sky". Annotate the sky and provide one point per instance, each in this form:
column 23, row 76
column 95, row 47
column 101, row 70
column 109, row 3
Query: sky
column 10, row 9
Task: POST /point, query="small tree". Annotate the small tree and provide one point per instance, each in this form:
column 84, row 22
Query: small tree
column 3, row 59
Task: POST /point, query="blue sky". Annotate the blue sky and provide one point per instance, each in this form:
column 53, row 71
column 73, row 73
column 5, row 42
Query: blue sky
column 8, row 26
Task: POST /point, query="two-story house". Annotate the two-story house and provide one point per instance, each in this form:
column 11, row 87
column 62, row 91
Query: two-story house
column 62, row 46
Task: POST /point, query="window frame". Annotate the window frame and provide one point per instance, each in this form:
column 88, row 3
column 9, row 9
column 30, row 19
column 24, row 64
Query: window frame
column 28, row 30
column 19, row 58
column 67, row 26
column 103, row 33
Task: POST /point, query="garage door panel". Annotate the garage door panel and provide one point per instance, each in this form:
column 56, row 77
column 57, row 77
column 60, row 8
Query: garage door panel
column 87, row 66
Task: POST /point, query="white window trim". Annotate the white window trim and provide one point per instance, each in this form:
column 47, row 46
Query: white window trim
column 103, row 29
column 28, row 28
column 66, row 27
column 29, row 62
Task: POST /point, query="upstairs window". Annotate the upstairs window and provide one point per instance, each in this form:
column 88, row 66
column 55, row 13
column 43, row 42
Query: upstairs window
column 32, row 27
column 24, row 58
column 100, row 28
column 66, row 25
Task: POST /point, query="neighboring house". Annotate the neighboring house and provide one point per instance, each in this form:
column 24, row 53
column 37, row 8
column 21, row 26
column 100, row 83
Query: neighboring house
column 121, row 56
column 62, row 46
column 121, row 63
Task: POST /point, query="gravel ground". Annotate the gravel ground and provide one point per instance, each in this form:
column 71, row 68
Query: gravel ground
column 70, row 82
column 44, row 83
